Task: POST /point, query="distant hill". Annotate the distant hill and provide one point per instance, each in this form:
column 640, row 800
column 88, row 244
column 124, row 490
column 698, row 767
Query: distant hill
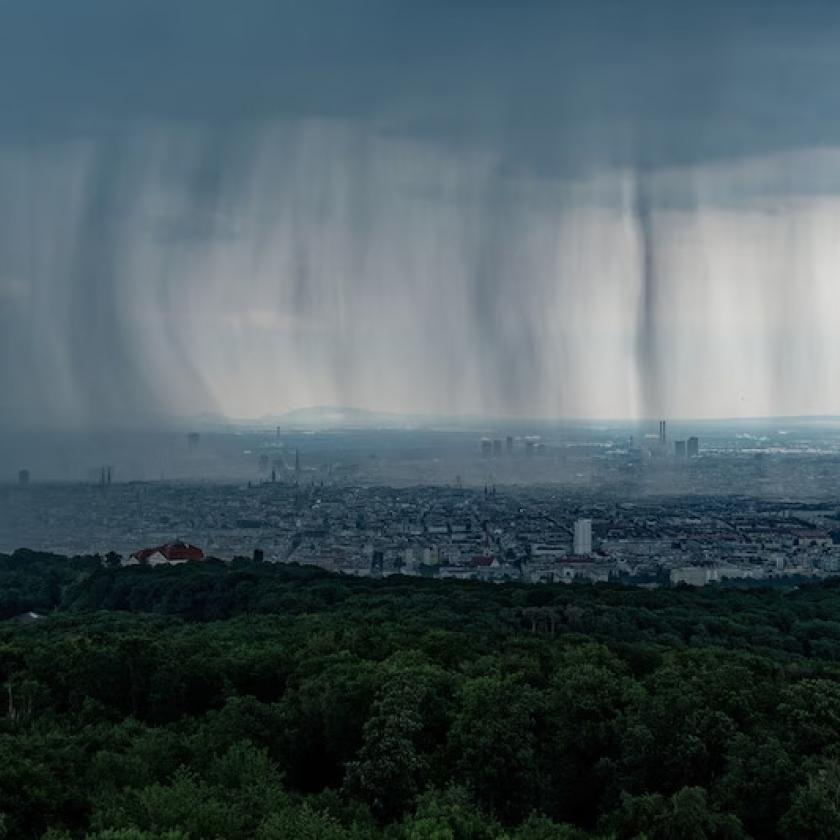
column 337, row 417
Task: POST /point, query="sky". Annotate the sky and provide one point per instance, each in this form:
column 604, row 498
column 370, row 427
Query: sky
column 535, row 209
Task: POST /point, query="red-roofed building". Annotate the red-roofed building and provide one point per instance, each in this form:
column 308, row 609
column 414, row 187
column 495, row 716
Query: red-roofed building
column 174, row 552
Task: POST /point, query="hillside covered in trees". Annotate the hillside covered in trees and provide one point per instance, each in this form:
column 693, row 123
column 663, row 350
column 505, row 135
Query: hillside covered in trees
column 259, row 701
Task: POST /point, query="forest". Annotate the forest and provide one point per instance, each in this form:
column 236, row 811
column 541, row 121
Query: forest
column 251, row 700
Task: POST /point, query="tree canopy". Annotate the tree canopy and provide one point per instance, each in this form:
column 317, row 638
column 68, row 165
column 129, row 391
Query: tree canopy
column 249, row 700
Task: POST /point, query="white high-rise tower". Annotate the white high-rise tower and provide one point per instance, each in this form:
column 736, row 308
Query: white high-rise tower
column 583, row 537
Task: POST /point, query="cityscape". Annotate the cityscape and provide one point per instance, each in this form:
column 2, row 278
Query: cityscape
column 419, row 420
column 565, row 506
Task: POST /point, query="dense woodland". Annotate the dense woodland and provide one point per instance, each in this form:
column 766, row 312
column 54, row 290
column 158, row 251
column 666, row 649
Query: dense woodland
column 258, row 701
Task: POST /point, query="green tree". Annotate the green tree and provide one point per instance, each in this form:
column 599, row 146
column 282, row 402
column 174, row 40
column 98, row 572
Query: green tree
column 815, row 806
column 449, row 814
column 686, row 815
column 493, row 740
column 389, row 771
column 302, row 823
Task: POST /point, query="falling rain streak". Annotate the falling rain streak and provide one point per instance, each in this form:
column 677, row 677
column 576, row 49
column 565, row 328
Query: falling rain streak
column 565, row 213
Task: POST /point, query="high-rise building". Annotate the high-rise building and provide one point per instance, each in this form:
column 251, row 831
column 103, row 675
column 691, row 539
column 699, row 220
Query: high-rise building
column 679, row 448
column 583, row 537
column 23, row 477
column 693, row 447
column 486, row 447
column 663, row 437
column 509, row 444
column 497, row 448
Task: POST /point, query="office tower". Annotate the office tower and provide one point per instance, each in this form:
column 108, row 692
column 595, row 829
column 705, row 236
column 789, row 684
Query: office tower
column 497, row 448
column 486, row 447
column 583, row 537
column 23, row 477
column 679, row 449
column 509, row 444
column 693, row 447
column 192, row 439
column 663, row 437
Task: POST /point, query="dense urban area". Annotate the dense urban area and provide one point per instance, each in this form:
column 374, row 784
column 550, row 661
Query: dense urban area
column 582, row 506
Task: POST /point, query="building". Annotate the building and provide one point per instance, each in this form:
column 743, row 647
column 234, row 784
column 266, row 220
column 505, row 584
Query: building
column 486, row 447
column 158, row 558
column 377, row 563
column 817, row 539
column 690, row 575
column 509, row 444
column 497, row 448
column 23, row 477
column 583, row 537
column 663, row 437
column 174, row 552
column 693, row 447
column 679, row 448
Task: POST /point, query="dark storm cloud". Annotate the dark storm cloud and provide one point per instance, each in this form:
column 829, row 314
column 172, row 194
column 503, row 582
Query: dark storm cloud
column 558, row 84
column 546, row 90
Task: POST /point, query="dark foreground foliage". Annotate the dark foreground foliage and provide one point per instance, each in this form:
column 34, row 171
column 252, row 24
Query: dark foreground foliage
column 253, row 701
